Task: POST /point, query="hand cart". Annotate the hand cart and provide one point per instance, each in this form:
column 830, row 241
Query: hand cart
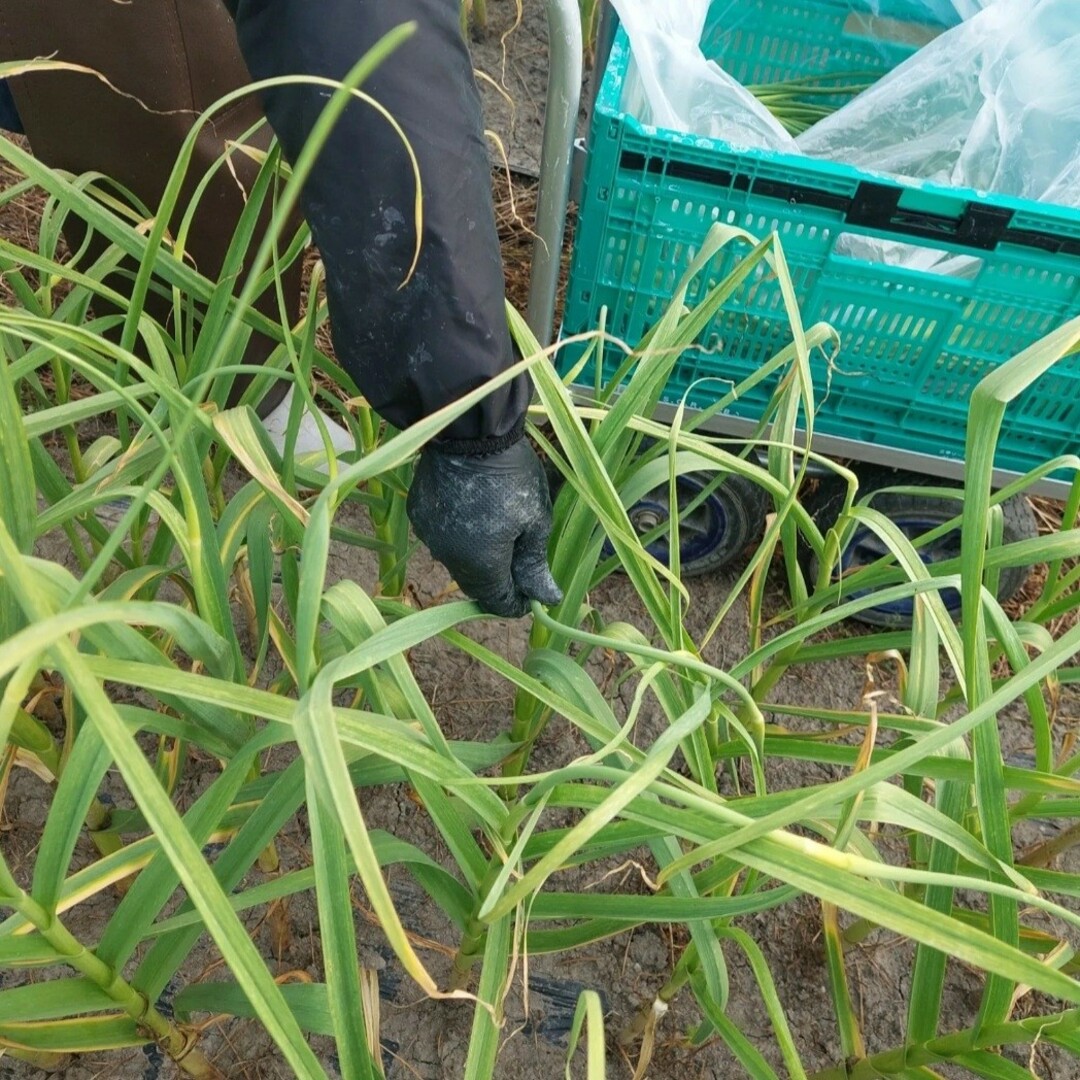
column 914, row 343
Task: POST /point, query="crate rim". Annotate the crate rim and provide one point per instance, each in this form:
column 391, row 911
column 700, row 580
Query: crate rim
column 651, row 170
column 608, row 106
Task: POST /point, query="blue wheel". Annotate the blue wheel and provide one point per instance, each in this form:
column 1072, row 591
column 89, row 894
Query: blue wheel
column 866, row 547
column 915, row 515
column 715, row 532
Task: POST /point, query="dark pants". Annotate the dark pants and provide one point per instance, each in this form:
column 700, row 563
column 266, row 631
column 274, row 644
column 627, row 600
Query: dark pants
column 9, row 115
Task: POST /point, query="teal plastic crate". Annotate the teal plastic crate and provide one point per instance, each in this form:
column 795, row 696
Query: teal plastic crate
column 914, row 344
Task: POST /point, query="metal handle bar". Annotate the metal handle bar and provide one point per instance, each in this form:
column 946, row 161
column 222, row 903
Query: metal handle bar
column 560, row 127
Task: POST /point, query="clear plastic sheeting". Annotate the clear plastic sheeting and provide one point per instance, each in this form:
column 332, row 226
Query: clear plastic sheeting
column 908, row 256
column 993, row 104
column 671, row 84
column 990, row 104
column 945, row 12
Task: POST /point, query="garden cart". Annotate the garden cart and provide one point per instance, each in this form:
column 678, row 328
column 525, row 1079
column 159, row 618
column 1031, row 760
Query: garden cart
column 914, row 343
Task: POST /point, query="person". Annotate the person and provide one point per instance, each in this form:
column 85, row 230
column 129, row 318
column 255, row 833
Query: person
column 9, row 115
column 479, row 498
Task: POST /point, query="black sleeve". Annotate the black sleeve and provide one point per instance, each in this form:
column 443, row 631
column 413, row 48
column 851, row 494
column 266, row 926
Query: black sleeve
column 414, row 349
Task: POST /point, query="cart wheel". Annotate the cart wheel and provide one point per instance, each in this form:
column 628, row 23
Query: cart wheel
column 914, row 515
column 728, row 519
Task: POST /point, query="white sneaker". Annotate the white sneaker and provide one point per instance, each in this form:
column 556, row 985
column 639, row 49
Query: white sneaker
column 308, row 438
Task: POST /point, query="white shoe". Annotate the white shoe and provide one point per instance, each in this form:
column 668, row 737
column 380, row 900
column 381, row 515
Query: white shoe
column 309, row 438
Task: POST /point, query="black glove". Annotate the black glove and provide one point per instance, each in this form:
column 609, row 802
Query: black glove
column 487, row 520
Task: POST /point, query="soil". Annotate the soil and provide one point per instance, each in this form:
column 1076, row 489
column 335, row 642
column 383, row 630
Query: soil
column 427, row 1040
column 511, row 55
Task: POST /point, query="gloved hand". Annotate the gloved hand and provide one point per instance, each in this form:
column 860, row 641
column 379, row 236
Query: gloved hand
column 487, row 520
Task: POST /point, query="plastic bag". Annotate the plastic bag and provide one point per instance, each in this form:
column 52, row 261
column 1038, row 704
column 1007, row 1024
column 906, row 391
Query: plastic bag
column 671, row 84
column 945, row 12
column 993, row 104
column 879, row 25
column 935, row 12
column 909, row 256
